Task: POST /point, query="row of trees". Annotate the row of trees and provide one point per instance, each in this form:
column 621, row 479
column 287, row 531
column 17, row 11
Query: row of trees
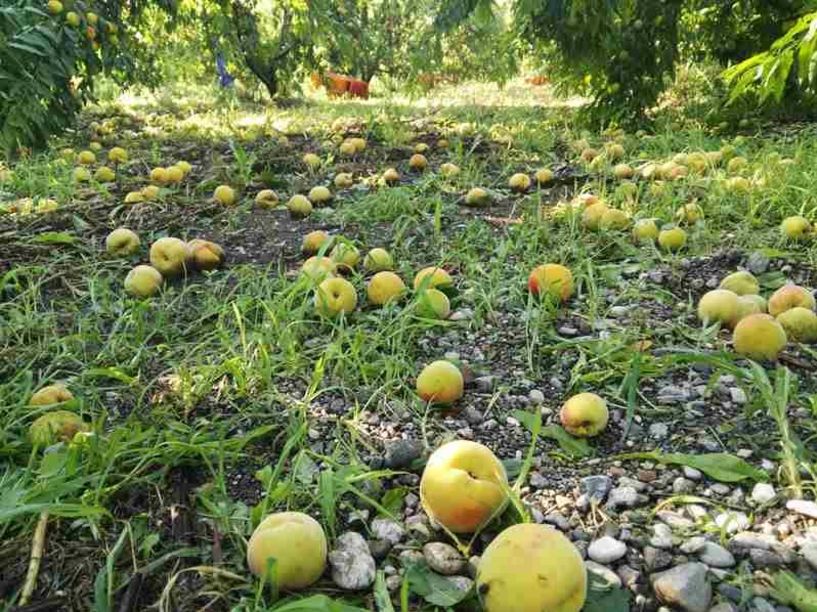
column 622, row 53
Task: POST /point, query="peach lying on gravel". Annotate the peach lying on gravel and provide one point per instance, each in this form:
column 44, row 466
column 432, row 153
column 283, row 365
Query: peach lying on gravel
column 795, row 228
column 335, row 296
column 440, row 382
column 531, row 568
column 751, row 304
column 56, row 426
column 463, row 486
column 299, row 206
column 378, row 260
column 759, row 337
column 143, row 281
column 719, row 306
column 266, row 198
column 320, row 195
column 315, row 240
column 385, row 287
column 225, row 195
column 169, row 256
column 477, row 197
column 122, row 242
column 584, row 415
column 554, row 280
column 205, row 255
column 741, row 282
column 51, row 394
column 800, row 324
column 519, row 182
column 788, row 297
column 433, row 304
column 296, row 542
column 318, row 268
column 672, row 239
column 432, row 277
column 645, row 230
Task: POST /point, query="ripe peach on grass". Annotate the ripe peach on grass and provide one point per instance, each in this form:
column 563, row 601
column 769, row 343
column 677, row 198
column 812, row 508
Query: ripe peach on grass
column 205, row 255
column 531, row 568
column 719, row 306
column 433, row 304
column 122, row 242
column 759, row 336
column 584, row 415
column 385, row 287
column 143, row 281
column 169, row 256
column 335, row 296
column 790, row 296
column 463, row 486
column 800, row 324
column 432, row 277
column 554, row 280
column 297, row 544
column 440, row 382
column 51, row 394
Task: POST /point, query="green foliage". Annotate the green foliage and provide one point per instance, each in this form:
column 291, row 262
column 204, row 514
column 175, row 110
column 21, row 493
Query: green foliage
column 791, row 61
column 39, row 56
column 622, row 52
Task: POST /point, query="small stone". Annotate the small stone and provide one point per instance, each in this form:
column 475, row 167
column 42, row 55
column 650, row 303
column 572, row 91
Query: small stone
column 596, row 487
column 720, row 489
column 662, row 536
column 629, row 576
column 485, row 384
column 537, row 480
column 737, row 395
column 625, row 497
column 401, row 453
column 444, row 558
column 379, row 548
column 605, row 573
column 682, row 485
column 463, row 314
column 685, row 586
column 724, row 606
column 745, row 540
column 606, row 550
column 536, row 397
column 656, row 559
column 388, row 529
column 804, row 507
column 353, row 567
column 763, row 493
column 731, row 592
column 716, row 555
column 461, row 583
column 757, row 263
column 732, row 522
column 674, row 520
column 692, row 473
column 566, row 330
column 759, row 604
column 658, row 431
column 410, row 557
column 765, row 558
column 693, row 545
column 809, row 552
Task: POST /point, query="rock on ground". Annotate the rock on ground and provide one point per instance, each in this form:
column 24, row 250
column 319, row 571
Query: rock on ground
column 353, row 567
column 685, row 586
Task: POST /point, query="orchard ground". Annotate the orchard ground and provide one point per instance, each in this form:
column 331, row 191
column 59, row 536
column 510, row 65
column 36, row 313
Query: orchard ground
column 225, row 397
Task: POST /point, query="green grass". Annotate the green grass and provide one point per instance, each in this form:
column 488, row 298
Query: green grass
column 229, row 375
